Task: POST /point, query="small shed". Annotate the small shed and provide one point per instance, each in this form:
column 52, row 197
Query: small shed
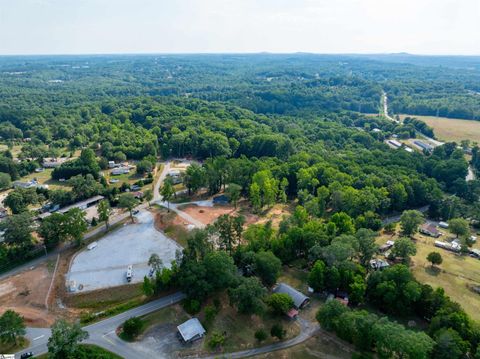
column 300, row 300
column 191, row 330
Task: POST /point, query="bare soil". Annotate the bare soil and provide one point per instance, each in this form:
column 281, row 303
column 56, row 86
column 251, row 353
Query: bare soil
column 26, row 292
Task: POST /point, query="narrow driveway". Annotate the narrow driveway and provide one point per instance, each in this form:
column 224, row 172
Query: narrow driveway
column 307, row 330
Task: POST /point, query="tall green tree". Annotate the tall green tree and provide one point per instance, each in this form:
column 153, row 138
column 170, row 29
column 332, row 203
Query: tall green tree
column 104, row 212
column 267, row 267
column 65, row 338
column 248, row 296
column 410, row 220
column 459, row 226
column 128, row 202
column 403, row 248
column 18, row 229
column 229, row 229
column 12, row 326
column 167, row 192
column 148, row 195
column 233, row 192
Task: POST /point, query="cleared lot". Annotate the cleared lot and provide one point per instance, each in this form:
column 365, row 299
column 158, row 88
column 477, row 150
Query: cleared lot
column 106, row 265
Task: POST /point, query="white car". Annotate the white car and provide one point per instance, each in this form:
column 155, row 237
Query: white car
column 92, row 246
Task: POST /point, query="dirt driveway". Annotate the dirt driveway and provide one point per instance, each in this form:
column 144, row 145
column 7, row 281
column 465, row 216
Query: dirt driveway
column 26, row 292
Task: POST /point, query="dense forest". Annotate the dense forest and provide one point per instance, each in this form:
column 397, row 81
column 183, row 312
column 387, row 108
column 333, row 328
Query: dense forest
column 272, row 84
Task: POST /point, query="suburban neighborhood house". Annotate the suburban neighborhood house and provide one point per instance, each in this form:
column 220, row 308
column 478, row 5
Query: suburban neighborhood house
column 191, row 330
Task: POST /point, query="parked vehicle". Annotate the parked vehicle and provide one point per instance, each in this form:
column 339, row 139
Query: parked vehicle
column 92, row 246
column 443, row 225
column 26, row 355
column 129, row 273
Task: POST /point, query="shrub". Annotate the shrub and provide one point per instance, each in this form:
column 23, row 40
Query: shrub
column 277, row 331
column 216, row 340
column 132, row 327
column 191, row 306
column 280, row 303
column 261, row 335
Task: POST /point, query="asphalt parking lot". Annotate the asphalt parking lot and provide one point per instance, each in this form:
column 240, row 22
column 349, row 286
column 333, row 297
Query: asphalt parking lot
column 106, row 265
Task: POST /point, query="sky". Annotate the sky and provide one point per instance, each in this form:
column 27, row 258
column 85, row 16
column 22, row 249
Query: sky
column 224, row 26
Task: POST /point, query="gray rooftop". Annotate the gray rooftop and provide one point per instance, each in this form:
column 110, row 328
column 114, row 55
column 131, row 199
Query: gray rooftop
column 191, row 329
column 299, row 298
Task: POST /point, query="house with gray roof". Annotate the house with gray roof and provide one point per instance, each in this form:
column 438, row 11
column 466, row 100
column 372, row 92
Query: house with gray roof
column 191, row 330
column 300, row 300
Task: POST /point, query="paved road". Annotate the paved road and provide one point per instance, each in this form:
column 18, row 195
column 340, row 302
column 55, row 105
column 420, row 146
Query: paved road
column 52, row 254
column 158, row 199
column 396, row 218
column 113, row 220
column 103, row 333
column 385, row 108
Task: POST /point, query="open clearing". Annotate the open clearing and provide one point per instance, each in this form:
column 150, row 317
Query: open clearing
column 451, row 129
column 25, row 293
column 455, row 274
column 106, row 265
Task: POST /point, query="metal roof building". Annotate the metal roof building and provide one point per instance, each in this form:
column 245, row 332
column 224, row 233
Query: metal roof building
column 191, row 330
column 299, row 299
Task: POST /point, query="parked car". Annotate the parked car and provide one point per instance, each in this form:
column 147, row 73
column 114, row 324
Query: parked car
column 26, row 355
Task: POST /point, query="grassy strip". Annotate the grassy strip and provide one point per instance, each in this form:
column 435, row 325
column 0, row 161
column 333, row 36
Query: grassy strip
column 89, row 351
column 22, row 343
column 88, row 318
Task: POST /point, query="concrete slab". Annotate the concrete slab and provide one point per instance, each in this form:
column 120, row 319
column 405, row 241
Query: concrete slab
column 106, row 265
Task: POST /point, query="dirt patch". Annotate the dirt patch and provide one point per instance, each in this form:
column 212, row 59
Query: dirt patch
column 25, row 293
column 174, row 226
column 207, row 215
column 276, row 214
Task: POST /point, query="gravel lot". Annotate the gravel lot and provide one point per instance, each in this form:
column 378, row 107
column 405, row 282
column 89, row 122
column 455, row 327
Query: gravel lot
column 106, row 265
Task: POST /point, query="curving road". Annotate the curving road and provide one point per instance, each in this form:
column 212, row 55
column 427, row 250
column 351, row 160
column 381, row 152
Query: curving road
column 103, row 333
column 307, row 330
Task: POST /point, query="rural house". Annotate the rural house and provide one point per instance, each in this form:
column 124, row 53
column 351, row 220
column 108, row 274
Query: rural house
column 430, row 230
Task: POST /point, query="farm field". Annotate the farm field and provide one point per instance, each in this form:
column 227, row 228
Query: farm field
column 450, row 129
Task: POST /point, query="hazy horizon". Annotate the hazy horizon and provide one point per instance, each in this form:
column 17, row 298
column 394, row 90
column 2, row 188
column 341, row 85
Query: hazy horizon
column 341, row 27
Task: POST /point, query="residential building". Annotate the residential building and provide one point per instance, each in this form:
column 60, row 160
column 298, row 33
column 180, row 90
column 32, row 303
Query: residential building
column 430, row 230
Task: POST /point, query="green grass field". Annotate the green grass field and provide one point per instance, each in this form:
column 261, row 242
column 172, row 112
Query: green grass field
column 451, row 129
column 455, row 274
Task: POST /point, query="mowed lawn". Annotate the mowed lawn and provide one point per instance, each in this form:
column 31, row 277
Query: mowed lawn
column 451, row 129
column 455, row 274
